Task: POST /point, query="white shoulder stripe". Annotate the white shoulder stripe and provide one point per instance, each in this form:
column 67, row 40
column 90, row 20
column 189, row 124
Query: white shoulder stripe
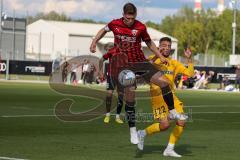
column 106, row 28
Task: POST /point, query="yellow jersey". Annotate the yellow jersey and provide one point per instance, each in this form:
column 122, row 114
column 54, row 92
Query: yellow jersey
column 173, row 69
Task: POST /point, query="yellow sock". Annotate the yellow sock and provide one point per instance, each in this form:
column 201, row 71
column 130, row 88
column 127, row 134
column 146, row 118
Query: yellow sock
column 155, row 127
column 176, row 133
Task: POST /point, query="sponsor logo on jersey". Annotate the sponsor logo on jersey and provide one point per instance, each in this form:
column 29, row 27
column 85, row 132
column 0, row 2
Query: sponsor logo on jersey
column 125, row 38
column 167, row 72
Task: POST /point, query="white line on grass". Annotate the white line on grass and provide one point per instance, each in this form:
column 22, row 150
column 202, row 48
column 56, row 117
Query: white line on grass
column 29, row 108
column 212, row 106
column 215, row 112
column 97, row 114
column 16, row 116
column 9, row 158
column 186, row 106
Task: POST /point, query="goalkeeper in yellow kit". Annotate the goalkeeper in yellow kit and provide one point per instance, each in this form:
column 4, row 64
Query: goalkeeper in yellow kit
column 160, row 110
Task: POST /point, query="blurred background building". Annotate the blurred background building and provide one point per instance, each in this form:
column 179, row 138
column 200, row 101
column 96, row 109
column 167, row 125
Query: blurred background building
column 48, row 40
column 13, row 38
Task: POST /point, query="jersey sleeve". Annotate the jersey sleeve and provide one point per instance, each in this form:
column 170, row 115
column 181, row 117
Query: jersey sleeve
column 145, row 35
column 181, row 69
column 157, row 61
column 106, row 56
column 150, row 57
column 109, row 27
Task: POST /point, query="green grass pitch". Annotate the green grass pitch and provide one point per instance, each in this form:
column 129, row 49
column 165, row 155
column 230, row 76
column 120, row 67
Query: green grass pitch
column 212, row 134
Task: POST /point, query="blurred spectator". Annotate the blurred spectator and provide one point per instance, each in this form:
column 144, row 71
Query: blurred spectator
column 224, row 83
column 197, row 75
column 65, row 67
column 74, row 73
column 84, row 62
column 237, row 81
column 208, row 79
column 185, row 80
column 178, row 81
column 85, row 71
column 191, row 82
column 200, row 81
column 55, row 65
column 99, row 80
column 91, row 73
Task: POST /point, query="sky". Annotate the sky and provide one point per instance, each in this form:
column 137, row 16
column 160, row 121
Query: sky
column 101, row 10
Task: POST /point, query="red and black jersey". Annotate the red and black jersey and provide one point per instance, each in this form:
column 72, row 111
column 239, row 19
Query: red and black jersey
column 128, row 40
column 116, row 60
column 108, row 56
column 111, row 52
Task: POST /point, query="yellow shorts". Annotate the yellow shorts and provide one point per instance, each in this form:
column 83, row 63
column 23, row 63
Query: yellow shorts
column 160, row 108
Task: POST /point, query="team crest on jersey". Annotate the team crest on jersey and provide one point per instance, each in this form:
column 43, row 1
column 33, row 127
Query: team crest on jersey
column 134, row 32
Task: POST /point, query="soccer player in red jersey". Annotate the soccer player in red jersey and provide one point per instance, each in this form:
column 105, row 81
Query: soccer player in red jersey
column 128, row 35
column 111, row 85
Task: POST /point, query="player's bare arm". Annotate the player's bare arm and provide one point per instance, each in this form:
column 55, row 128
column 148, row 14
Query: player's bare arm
column 99, row 35
column 151, row 45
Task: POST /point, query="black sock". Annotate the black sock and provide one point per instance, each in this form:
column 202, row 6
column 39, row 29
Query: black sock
column 168, row 97
column 120, row 103
column 130, row 113
column 108, row 103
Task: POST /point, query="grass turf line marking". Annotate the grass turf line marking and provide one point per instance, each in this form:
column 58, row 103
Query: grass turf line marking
column 215, row 112
column 19, row 116
column 9, row 158
column 209, row 106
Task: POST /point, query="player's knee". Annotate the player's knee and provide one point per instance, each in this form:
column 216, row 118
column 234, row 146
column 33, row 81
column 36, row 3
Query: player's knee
column 180, row 123
column 130, row 106
column 163, row 81
column 164, row 126
column 132, row 88
column 109, row 93
column 130, row 99
column 130, row 96
column 155, row 90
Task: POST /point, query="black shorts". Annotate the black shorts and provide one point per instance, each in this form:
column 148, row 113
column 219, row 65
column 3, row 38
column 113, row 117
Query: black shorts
column 143, row 70
column 113, row 84
column 110, row 83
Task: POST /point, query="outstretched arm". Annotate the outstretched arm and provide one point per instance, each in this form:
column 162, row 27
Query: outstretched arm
column 151, row 45
column 99, row 35
column 190, row 70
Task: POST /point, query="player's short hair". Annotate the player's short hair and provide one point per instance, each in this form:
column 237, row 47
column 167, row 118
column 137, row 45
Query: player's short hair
column 129, row 8
column 165, row 39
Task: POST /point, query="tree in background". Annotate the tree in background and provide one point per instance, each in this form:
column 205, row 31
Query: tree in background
column 54, row 16
column 206, row 31
column 48, row 16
